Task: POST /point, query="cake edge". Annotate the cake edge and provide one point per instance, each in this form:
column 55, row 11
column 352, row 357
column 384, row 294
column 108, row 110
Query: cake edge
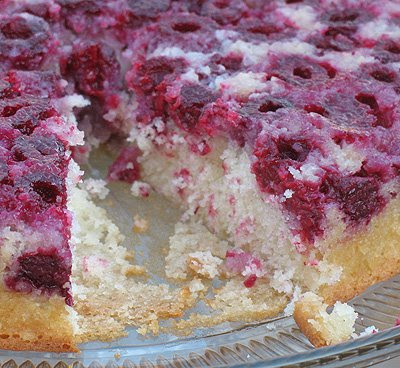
column 37, row 334
column 354, row 256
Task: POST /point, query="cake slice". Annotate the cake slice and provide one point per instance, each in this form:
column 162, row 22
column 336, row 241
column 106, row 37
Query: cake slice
column 279, row 132
column 37, row 173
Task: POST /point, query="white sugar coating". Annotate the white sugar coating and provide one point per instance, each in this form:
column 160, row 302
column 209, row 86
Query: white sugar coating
column 96, row 188
column 348, row 158
column 255, row 53
column 68, row 130
column 190, row 76
column 304, row 17
column 293, row 47
column 390, row 7
column 252, row 53
column 242, row 84
column 194, row 58
column 224, row 34
column 307, row 172
column 288, row 193
column 347, row 61
column 378, row 28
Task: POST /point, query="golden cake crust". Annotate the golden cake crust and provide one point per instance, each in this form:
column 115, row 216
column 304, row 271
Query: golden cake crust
column 369, row 257
column 303, row 312
column 30, row 322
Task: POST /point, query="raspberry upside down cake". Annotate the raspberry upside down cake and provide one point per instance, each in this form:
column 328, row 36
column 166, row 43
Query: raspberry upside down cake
column 273, row 125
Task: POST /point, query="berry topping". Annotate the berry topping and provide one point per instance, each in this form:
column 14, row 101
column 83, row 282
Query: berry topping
column 24, row 41
column 126, row 167
column 94, row 68
column 44, row 270
column 359, row 197
column 147, row 75
column 24, row 114
column 46, row 187
column 190, row 105
column 148, row 9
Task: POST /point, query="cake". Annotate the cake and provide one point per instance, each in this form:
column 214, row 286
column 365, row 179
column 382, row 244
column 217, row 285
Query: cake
column 273, row 125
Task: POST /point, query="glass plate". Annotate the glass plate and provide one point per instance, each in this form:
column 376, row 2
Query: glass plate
column 272, row 343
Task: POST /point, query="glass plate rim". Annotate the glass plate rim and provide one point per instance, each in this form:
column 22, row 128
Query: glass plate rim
column 374, row 346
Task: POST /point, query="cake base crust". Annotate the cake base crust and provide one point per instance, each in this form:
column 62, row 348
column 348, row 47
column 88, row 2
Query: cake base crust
column 42, row 323
column 371, row 256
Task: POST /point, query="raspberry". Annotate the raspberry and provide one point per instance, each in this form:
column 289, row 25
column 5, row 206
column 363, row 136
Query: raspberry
column 24, row 41
column 46, row 186
column 190, row 105
column 80, row 15
column 254, row 28
column 387, row 51
column 25, row 113
column 37, row 147
column 223, row 11
column 186, row 27
column 383, row 116
column 94, row 68
column 37, row 83
column 148, row 9
column 125, row 167
column 301, row 71
column 358, row 197
column 147, row 75
column 383, row 76
column 250, row 281
column 44, row 270
column 3, row 172
column 292, row 149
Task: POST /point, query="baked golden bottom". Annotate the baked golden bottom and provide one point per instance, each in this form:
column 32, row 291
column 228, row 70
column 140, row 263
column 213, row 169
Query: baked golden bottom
column 31, row 322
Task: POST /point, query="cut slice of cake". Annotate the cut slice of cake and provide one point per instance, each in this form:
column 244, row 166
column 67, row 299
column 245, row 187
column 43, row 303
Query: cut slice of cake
column 37, row 174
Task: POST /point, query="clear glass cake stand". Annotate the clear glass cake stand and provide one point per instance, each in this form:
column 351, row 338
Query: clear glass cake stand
column 272, row 343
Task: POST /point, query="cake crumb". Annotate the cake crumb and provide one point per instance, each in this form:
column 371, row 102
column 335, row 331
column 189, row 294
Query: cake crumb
column 135, row 270
column 140, row 189
column 96, row 188
column 370, row 330
column 204, row 264
column 130, row 255
column 194, row 248
column 141, row 225
column 323, row 328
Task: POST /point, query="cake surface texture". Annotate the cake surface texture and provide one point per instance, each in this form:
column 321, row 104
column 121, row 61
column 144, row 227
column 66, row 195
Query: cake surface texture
column 273, row 125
